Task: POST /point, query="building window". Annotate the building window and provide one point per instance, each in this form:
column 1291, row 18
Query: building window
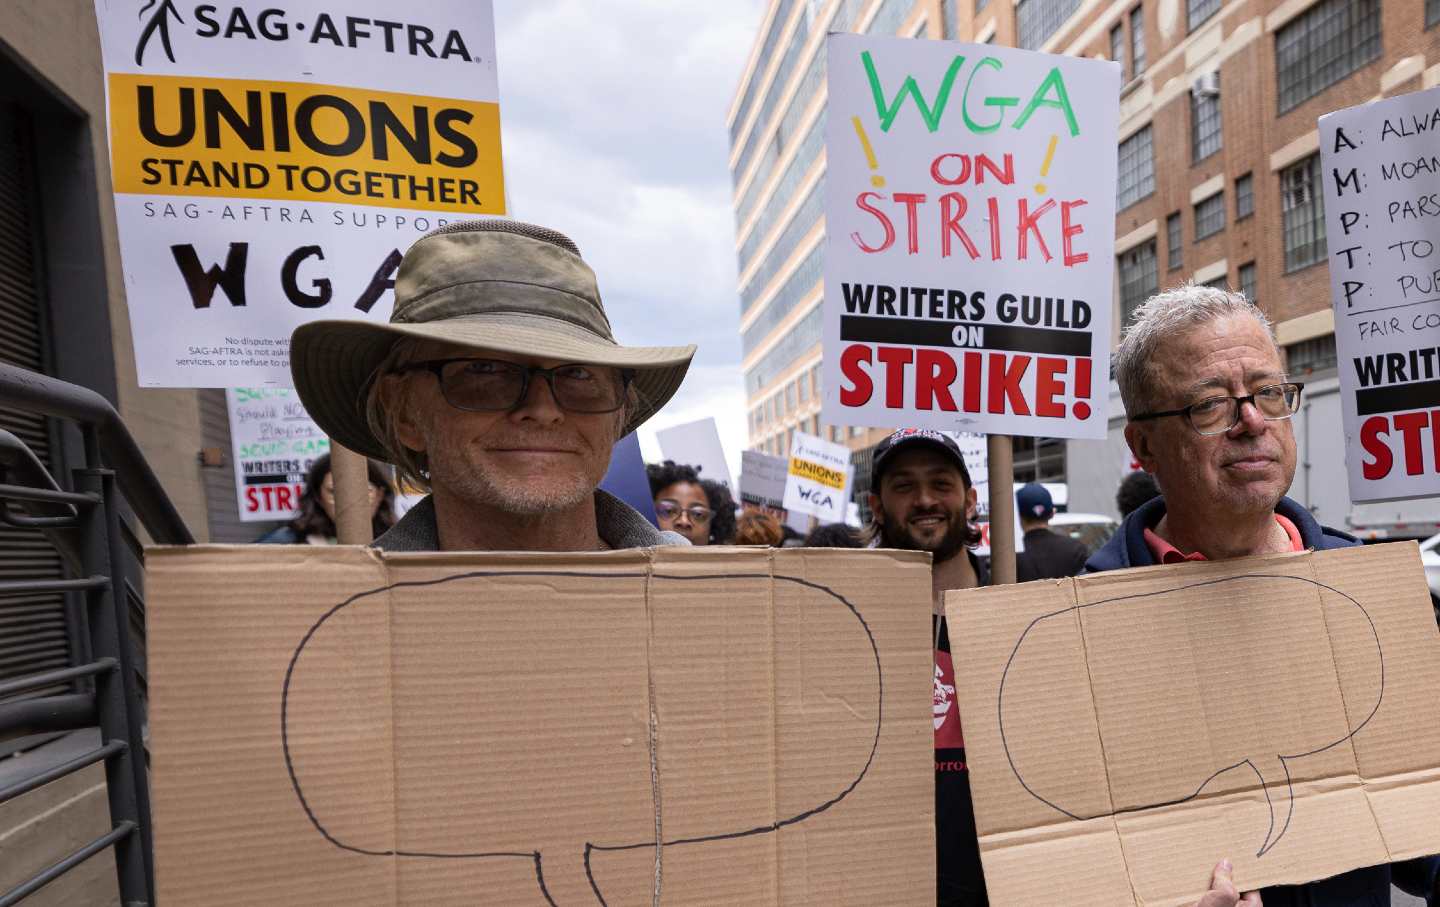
column 1137, row 42
column 790, row 397
column 1247, row 281
column 797, row 289
column 1324, row 45
column 1310, row 356
column 1205, row 135
column 888, row 19
column 801, row 223
column 979, row 7
column 1244, row 196
column 1138, row 278
column 1037, row 20
column 1198, row 12
column 802, row 387
column 804, row 335
column 1039, row 459
column 1209, row 216
column 815, row 380
column 1137, row 169
column 1432, row 13
column 1303, row 211
column 1174, row 243
column 1117, row 48
column 1217, row 283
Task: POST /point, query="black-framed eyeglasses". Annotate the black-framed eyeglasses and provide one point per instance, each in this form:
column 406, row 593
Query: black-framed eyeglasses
column 494, row 385
column 669, row 510
column 1217, row 415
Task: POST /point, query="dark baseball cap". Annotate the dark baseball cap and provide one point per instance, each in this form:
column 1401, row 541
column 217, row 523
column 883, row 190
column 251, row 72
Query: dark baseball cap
column 1034, row 502
column 908, row 439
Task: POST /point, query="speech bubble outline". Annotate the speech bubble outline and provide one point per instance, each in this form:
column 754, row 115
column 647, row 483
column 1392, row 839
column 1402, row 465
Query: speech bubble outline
column 536, row 855
column 1271, row 836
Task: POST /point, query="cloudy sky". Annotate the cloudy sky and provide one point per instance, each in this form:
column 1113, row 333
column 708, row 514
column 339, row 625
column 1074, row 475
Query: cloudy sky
column 613, row 118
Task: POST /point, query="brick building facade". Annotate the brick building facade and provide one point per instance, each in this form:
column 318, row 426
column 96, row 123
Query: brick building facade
column 1218, row 174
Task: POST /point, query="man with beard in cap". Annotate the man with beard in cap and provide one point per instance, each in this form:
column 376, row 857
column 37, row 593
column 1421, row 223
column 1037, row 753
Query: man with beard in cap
column 922, row 499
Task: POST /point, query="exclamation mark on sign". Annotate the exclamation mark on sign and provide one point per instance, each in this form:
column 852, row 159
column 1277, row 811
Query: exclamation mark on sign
column 1081, row 408
column 1045, row 167
column 876, row 179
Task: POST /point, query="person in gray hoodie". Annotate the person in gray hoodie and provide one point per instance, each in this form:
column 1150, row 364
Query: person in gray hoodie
column 498, row 386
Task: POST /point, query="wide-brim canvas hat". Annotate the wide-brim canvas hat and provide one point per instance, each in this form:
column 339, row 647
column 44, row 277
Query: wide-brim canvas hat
column 491, row 285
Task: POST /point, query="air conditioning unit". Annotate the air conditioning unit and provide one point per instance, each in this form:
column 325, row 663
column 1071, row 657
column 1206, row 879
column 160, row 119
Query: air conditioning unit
column 1206, row 85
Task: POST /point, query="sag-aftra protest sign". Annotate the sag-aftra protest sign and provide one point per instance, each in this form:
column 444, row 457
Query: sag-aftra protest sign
column 970, row 215
column 674, row 725
column 1381, row 177
column 272, row 162
column 817, row 479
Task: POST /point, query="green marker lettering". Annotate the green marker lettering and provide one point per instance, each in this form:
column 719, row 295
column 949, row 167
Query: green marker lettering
column 979, row 128
column 888, row 112
column 1060, row 102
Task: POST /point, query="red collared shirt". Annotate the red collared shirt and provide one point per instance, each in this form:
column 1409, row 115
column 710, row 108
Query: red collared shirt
column 1166, row 553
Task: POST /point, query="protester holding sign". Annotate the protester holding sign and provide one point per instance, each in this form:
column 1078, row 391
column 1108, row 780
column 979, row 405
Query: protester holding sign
column 315, row 523
column 923, row 500
column 498, row 386
column 1208, row 407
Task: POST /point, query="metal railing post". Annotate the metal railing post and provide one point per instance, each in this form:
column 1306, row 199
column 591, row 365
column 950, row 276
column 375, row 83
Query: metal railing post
column 116, row 698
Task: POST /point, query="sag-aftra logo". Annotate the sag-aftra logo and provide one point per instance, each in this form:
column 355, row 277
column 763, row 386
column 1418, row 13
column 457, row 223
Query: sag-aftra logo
column 165, row 20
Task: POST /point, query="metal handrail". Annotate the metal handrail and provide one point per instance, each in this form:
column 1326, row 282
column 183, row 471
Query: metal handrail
column 36, row 681
column 85, row 526
column 61, row 770
column 56, row 870
column 36, row 393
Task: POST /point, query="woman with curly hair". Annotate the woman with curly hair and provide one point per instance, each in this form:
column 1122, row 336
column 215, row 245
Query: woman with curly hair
column 699, row 509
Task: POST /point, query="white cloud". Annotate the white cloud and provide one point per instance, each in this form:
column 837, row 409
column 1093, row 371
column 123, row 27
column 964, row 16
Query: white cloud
column 613, row 119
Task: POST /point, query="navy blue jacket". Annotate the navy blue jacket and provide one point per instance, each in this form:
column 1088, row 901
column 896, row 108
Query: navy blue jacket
column 1368, row 887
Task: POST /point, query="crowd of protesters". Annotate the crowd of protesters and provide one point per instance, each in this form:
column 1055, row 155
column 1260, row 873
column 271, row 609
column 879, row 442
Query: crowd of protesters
column 498, row 387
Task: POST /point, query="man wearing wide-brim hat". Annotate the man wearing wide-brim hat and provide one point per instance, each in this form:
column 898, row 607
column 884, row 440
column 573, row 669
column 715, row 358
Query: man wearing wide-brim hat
column 497, row 384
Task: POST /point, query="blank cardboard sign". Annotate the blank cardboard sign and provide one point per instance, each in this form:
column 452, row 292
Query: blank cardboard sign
column 1127, row 730
column 712, row 726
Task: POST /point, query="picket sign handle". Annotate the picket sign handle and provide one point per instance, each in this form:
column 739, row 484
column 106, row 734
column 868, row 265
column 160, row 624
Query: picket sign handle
column 1002, row 509
column 352, row 496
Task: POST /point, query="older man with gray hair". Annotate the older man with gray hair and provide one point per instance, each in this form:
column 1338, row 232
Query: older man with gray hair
column 497, row 385
column 1208, row 407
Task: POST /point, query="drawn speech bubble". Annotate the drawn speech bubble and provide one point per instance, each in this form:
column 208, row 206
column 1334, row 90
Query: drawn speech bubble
column 1271, row 768
column 577, row 649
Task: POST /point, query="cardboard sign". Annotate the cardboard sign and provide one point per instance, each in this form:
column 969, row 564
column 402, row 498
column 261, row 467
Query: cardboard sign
column 1126, row 730
column 817, row 478
column 736, row 726
column 762, row 479
column 273, row 443
column 970, row 222
column 1382, row 224
column 272, row 165
column 696, row 444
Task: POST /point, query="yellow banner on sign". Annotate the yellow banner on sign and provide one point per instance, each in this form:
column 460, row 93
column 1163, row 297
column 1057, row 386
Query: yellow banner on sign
column 296, row 141
column 807, row 469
